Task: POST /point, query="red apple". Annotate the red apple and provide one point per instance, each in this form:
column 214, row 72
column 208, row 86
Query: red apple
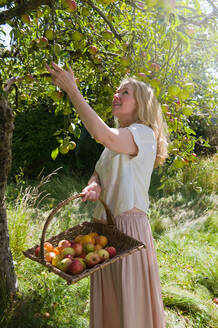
column 93, row 50
column 155, row 67
column 42, row 42
column 92, row 259
column 70, row 5
column 78, row 248
column 37, row 251
column 68, row 256
column 64, row 243
column 75, row 267
column 49, row 256
column 83, row 255
column 26, row 19
column 111, row 250
column 103, row 254
column 82, row 261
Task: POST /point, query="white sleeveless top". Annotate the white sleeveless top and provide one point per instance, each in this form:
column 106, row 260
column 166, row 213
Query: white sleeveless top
column 125, row 179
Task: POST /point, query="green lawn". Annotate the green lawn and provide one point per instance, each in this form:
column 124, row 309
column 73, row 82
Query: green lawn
column 185, row 227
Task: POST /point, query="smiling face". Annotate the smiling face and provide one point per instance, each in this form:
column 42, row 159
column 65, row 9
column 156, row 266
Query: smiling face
column 124, row 105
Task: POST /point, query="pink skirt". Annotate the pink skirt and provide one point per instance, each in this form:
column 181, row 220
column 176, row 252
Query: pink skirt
column 127, row 293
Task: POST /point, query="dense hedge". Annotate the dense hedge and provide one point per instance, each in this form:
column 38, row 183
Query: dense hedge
column 34, row 139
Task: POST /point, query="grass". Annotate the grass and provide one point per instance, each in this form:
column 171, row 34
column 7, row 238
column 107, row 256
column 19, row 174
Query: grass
column 185, row 227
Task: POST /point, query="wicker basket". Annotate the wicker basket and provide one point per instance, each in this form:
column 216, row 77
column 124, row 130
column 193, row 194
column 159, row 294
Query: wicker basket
column 124, row 244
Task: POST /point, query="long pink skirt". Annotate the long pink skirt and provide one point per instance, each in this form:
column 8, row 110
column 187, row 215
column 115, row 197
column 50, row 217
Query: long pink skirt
column 127, row 293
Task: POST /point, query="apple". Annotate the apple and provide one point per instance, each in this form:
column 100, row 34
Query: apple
column 97, row 247
column 64, row 243
column 72, row 145
column 82, row 261
column 49, row 256
column 79, row 238
column 26, row 19
column 101, row 240
column 173, row 90
column 92, row 259
column 37, row 251
column 68, row 250
column 107, row 35
column 112, row 251
column 124, row 61
column 88, row 247
column 141, row 5
column 68, row 256
column 70, row 5
column 49, row 34
column 42, row 42
column 85, row 12
column 56, row 259
column 155, row 67
column 78, row 248
column 64, row 264
column 77, row 36
column 103, row 254
column 93, row 50
column 75, row 267
column 48, row 247
column 141, row 75
column 125, row 45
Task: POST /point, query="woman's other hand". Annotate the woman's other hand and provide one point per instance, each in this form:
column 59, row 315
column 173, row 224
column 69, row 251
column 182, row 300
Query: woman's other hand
column 63, row 79
column 91, row 192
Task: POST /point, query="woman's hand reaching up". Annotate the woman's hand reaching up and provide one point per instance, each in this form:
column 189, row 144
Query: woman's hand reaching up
column 63, row 79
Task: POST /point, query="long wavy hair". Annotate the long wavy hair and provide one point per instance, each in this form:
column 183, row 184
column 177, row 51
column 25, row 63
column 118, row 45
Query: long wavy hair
column 150, row 114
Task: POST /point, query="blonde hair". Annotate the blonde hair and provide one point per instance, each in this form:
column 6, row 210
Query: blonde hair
column 150, row 114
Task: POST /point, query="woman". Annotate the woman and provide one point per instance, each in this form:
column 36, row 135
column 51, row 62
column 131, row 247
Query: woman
column 127, row 293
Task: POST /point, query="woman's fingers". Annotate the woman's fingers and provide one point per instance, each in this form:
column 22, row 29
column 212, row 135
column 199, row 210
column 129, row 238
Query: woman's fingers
column 57, row 68
column 89, row 195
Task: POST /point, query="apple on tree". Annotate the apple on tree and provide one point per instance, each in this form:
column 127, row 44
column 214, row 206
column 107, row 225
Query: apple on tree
column 70, row 5
column 42, row 42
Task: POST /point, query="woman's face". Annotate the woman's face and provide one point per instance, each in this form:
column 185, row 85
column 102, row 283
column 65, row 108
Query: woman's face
column 124, row 105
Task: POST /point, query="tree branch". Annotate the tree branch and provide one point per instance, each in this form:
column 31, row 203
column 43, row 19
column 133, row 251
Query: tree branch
column 117, row 35
column 21, row 9
column 198, row 22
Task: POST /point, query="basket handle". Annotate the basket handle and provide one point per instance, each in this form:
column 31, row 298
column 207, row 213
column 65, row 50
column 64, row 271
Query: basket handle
column 110, row 218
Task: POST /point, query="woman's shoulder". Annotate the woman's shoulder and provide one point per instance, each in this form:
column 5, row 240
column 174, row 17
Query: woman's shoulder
column 143, row 130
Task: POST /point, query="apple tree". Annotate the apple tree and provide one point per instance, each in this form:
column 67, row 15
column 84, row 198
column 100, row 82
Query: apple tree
column 161, row 42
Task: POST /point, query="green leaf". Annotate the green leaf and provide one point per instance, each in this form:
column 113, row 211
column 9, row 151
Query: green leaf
column 54, row 153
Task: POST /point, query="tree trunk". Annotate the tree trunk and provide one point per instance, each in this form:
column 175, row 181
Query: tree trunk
column 8, row 280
